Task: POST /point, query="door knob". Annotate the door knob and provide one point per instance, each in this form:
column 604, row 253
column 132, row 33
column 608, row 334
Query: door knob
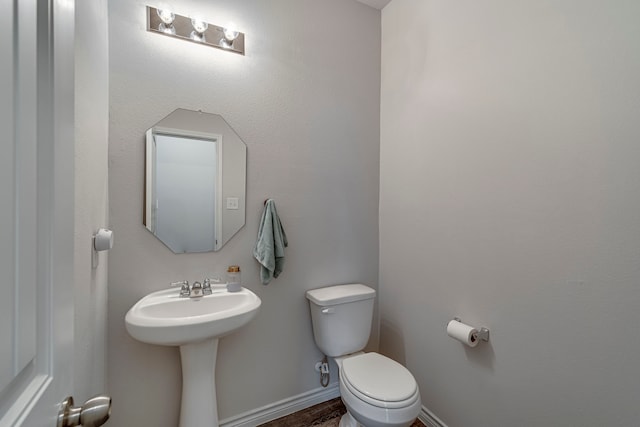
column 93, row 413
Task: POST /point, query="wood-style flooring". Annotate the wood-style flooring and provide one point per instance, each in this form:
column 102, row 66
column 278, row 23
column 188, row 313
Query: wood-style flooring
column 325, row 414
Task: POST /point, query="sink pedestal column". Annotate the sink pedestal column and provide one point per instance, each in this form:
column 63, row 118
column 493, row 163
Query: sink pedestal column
column 199, row 407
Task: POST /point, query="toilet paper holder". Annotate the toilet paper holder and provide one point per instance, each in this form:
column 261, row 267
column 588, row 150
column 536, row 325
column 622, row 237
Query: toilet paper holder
column 483, row 333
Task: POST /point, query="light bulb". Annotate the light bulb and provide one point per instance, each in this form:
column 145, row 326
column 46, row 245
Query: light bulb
column 167, row 29
column 166, row 16
column 199, row 25
column 230, row 32
column 197, row 37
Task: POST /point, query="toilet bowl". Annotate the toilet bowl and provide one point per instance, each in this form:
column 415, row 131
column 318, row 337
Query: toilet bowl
column 377, row 391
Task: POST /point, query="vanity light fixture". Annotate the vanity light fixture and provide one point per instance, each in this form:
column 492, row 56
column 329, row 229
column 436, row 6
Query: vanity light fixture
column 165, row 22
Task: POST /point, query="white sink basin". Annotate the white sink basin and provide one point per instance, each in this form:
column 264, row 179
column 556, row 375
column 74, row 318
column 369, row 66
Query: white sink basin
column 194, row 325
column 164, row 318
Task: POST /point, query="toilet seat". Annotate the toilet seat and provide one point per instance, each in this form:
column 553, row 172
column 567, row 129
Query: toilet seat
column 379, row 381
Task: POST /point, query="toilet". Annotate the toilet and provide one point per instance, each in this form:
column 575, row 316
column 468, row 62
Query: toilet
column 377, row 391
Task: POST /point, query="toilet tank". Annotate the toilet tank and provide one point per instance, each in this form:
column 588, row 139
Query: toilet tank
column 341, row 316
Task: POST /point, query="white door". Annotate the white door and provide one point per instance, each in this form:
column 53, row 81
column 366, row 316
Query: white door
column 36, row 210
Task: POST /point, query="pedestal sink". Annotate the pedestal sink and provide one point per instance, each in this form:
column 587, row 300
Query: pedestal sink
column 195, row 325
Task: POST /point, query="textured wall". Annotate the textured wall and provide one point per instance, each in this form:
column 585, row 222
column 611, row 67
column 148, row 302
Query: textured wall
column 510, row 192
column 91, row 196
column 306, row 102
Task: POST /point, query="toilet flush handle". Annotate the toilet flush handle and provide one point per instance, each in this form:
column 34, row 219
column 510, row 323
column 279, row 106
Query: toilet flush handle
column 327, row 310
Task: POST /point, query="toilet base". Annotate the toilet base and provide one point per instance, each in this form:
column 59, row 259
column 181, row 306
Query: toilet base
column 347, row 420
column 361, row 414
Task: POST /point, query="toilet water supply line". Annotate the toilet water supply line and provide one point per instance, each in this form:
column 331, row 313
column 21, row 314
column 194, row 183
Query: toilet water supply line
column 324, row 371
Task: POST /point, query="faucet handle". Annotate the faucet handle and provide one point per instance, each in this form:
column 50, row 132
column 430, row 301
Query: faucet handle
column 206, row 287
column 185, row 291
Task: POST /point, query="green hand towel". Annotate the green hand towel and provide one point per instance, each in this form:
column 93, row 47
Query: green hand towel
column 272, row 240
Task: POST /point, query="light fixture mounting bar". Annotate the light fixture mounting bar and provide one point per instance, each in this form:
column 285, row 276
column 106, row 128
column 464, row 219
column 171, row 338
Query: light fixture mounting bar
column 182, row 28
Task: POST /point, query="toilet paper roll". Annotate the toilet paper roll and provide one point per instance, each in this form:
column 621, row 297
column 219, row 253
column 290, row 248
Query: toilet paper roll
column 464, row 333
column 103, row 240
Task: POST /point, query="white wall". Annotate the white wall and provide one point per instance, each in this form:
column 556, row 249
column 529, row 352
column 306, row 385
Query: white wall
column 306, row 102
column 91, row 196
column 510, row 192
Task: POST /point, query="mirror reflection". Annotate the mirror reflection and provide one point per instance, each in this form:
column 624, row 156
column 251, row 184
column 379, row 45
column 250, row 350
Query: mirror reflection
column 195, row 181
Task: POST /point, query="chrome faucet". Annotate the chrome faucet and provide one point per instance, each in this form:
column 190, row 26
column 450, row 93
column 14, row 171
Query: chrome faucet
column 196, row 290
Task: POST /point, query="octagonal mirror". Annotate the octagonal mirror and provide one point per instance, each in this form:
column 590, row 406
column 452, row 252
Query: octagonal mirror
column 195, row 181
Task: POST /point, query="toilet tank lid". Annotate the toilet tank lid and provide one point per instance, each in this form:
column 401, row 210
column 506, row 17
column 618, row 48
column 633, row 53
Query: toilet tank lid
column 340, row 294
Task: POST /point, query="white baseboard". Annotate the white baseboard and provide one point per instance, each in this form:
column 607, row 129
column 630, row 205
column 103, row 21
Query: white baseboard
column 283, row 407
column 429, row 419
